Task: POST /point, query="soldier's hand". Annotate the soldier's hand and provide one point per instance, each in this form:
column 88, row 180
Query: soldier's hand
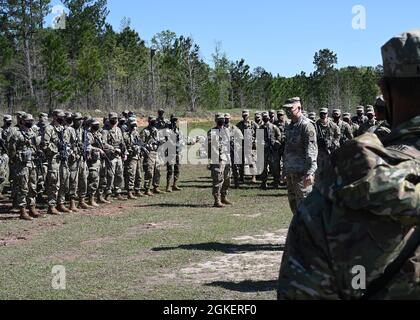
column 308, row 181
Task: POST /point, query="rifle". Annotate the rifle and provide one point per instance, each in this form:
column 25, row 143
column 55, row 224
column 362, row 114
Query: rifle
column 108, row 162
column 141, row 145
column 63, row 148
column 39, row 160
column 323, row 141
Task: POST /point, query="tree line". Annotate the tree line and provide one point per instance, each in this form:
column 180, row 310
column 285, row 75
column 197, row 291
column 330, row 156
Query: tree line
column 89, row 65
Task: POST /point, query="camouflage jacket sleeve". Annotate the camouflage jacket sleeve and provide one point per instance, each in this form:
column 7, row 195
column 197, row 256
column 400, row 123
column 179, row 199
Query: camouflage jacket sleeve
column 311, row 149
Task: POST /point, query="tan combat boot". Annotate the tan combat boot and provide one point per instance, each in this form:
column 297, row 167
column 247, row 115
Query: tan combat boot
column 168, row 188
column 62, row 208
column 33, row 212
column 175, row 186
column 138, row 194
column 92, row 202
column 226, row 201
column 148, row 193
column 120, row 197
column 108, row 198
column 73, row 207
column 83, row 205
column 217, row 202
column 131, row 196
column 24, row 215
column 156, row 190
column 102, row 200
column 53, row 211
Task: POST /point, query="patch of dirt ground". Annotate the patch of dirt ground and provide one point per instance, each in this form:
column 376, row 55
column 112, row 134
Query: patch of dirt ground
column 253, row 258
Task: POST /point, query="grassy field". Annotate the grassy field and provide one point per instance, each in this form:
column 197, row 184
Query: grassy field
column 172, row 246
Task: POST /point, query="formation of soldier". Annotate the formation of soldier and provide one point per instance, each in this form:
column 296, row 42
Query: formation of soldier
column 296, row 147
column 73, row 163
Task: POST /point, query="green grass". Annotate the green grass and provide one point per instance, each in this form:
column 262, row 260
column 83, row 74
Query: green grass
column 118, row 256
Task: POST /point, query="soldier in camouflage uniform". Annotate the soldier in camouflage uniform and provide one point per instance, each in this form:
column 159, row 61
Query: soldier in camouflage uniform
column 281, row 123
column 103, row 170
column 39, row 130
column 95, row 155
column 300, row 154
column 258, row 119
column 360, row 117
column 353, row 126
column 370, row 123
column 151, row 137
column 328, row 134
column 22, row 150
column 367, row 212
column 173, row 165
column 218, row 142
column 382, row 128
column 4, row 158
column 272, row 115
column 78, row 166
column 272, row 144
column 134, row 161
column 346, row 133
column 235, row 150
column 247, row 124
column 115, row 149
column 312, row 116
column 56, row 150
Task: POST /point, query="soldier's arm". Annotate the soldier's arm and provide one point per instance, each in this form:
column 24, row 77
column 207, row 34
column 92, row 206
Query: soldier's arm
column 311, row 149
column 305, row 272
column 107, row 146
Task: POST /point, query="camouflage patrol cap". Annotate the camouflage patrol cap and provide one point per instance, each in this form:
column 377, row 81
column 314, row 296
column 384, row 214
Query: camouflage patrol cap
column 7, row 117
column 220, row 116
column 43, row 115
column 293, row 100
column 360, row 108
column 312, row 114
column 370, row 111
column 380, row 102
column 227, row 116
column 336, row 111
column 245, row 112
column 257, row 114
column 20, row 114
column 401, row 55
column 272, row 112
column 69, row 114
column 27, row 117
column 161, row 110
column 288, row 105
column 94, row 122
column 77, row 116
column 59, row 113
column 174, row 117
column 265, row 114
column 280, row 113
column 346, row 115
column 151, row 118
column 369, row 107
column 113, row 115
column 125, row 112
column 132, row 121
column 323, row 110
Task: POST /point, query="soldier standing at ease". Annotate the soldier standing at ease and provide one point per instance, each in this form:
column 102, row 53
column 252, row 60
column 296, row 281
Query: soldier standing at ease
column 312, row 116
column 116, row 151
column 281, row 123
column 103, row 181
column 346, row 133
column 248, row 129
column 150, row 136
column 272, row 144
column 94, row 158
column 22, row 149
column 360, row 117
column 218, row 141
column 353, row 126
column 258, row 119
column 173, row 165
column 134, row 160
column 236, row 142
column 300, row 154
column 328, row 134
